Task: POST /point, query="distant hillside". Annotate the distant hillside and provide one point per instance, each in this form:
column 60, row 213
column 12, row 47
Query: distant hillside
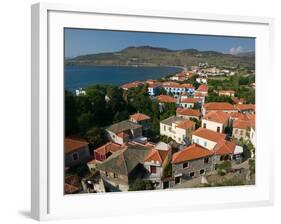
column 153, row 56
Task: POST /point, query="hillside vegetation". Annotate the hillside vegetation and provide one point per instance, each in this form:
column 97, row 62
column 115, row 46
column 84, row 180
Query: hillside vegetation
column 152, row 56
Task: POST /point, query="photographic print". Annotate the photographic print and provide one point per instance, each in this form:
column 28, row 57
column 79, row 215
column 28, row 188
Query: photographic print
column 157, row 111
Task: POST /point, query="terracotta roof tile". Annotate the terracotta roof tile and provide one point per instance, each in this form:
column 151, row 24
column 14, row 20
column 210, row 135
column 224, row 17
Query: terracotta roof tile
column 109, row 147
column 190, row 100
column 139, row 117
column 245, row 107
column 217, row 116
column 209, row 134
column 224, row 147
column 191, row 153
column 202, row 88
column 166, row 99
column 71, row 145
column 188, row 112
column 157, row 155
column 186, row 124
column 219, row 106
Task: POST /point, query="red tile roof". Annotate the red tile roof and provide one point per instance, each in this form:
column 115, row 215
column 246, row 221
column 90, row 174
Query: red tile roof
column 237, row 115
column 188, row 112
column 219, row 106
column 217, row 116
column 132, row 85
column 166, row 99
column 70, row 189
column 71, row 145
column 187, row 85
column 186, row 124
column 109, row 147
column 209, row 134
column 157, row 155
column 245, row 106
column 224, row 147
column 243, row 124
column 202, row 88
column 139, row 117
column 190, row 100
column 191, row 153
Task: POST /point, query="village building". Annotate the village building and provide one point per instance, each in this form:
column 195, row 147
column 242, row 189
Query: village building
column 216, row 121
column 216, row 142
column 76, row 151
column 177, row 128
column 189, row 102
column 218, row 106
column 203, row 89
column 105, row 151
column 153, row 89
column 202, row 80
column 130, row 85
column 191, row 162
column 229, row 93
column 188, row 113
column 177, row 89
column 124, row 167
column 72, row 184
column 156, row 162
column 207, row 138
column 124, row 131
column 141, row 119
column 242, row 127
column 246, row 108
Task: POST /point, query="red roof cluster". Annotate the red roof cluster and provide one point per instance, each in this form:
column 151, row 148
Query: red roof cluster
column 131, row 85
column 241, row 107
column 166, row 99
column 109, row 147
column 188, row 112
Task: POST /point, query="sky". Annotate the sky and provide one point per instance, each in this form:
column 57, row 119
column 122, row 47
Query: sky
column 90, row 41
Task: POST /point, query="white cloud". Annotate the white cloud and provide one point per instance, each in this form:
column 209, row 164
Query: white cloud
column 236, row 50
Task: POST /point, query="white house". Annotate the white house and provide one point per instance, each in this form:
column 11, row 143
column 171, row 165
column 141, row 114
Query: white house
column 201, row 80
column 153, row 89
column 177, row 128
column 188, row 102
column 207, row 138
column 215, row 121
column 80, row 92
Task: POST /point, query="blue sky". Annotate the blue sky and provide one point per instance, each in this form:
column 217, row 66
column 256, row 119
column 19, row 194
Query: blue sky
column 86, row 41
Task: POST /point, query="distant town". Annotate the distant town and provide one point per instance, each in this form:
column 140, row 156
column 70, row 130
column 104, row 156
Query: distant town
column 192, row 129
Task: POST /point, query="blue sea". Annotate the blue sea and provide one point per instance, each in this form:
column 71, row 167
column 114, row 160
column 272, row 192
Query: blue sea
column 83, row 76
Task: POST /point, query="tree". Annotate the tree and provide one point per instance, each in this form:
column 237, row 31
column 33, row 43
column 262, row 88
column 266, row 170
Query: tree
column 96, row 136
column 84, row 122
column 71, row 125
column 141, row 185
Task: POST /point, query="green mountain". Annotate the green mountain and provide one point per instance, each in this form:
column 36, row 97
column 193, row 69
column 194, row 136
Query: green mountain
column 154, row 56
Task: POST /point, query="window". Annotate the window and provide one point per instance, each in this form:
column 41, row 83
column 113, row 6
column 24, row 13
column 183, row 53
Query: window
column 185, row 165
column 177, row 180
column 241, row 132
column 205, row 144
column 202, row 171
column 152, row 169
column 218, row 129
column 106, row 174
column 115, row 175
column 191, row 174
column 236, row 131
column 164, row 127
column 204, row 125
column 75, row 156
column 179, row 139
column 206, row 160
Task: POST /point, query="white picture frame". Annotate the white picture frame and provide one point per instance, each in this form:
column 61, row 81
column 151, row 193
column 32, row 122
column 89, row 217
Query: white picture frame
column 48, row 201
